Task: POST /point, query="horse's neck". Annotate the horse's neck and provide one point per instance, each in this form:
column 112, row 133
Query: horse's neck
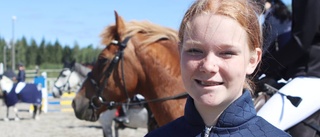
column 76, row 79
column 79, row 76
column 82, row 70
column 167, row 110
column 162, row 70
column 163, row 83
column 163, row 79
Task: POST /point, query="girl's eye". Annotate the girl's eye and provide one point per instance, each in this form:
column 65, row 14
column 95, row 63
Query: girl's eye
column 227, row 54
column 194, row 51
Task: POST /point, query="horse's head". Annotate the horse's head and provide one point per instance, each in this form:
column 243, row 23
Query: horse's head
column 107, row 80
column 140, row 57
column 61, row 84
column 68, row 79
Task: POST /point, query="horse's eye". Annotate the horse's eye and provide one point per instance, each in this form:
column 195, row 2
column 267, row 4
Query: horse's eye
column 64, row 75
column 103, row 60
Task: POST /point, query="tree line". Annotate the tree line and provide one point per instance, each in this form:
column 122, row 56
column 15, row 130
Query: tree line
column 46, row 54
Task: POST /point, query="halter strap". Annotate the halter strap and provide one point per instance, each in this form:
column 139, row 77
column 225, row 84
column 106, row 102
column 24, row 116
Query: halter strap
column 67, row 83
column 118, row 56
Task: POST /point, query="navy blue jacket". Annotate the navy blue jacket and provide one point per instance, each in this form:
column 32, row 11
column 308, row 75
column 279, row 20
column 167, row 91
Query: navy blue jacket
column 238, row 120
column 21, row 76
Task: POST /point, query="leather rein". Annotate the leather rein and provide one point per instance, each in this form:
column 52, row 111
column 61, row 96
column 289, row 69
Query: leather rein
column 97, row 101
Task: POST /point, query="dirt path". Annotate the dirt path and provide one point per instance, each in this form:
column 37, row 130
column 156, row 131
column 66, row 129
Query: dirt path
column 53, row 124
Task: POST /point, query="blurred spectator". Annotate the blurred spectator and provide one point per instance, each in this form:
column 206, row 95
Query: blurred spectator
column 21, row 74
column 276, row 33
column 277, row 23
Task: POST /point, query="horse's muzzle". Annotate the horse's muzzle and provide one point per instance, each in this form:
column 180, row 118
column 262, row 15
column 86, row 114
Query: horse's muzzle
column 82, row 109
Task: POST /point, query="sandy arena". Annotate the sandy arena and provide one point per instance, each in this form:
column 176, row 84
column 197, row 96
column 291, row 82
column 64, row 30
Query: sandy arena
column 53, row 124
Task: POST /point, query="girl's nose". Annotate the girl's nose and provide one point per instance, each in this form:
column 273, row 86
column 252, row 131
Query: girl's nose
column 209, row 64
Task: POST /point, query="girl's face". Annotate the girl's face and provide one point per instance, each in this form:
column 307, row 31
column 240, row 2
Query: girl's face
column 215, row 60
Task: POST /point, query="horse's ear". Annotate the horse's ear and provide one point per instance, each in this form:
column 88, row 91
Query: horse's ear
column 120, row 26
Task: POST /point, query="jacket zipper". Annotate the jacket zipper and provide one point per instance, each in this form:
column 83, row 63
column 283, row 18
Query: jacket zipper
column 207, row 131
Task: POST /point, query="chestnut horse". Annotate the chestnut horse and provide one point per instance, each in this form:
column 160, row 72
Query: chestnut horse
column 140, row 58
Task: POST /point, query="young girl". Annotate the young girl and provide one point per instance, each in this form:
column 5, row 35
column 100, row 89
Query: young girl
column 220, row 47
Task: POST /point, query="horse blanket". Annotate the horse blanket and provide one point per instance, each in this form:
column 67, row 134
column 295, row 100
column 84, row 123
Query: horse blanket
column 29, row 93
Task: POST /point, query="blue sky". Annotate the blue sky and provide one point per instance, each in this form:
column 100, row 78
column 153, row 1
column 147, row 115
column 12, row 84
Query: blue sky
column 82, row 20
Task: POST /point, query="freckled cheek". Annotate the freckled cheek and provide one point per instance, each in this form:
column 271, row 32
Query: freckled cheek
column 230, row 72
column 188, row 67
column 240, row 72
column 233, row 75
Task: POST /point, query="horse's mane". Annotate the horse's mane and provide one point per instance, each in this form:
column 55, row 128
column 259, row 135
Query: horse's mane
column 155, row 32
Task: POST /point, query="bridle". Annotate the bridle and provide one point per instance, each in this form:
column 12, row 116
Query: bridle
column 97, row 101
column 65, row 84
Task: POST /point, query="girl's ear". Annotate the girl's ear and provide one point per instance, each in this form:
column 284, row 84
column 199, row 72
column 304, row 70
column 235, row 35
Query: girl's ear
column 255, row 58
